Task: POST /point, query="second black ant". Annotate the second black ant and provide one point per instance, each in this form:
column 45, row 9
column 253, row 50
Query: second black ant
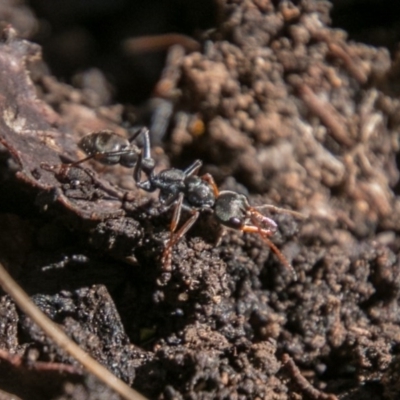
column 183, row 190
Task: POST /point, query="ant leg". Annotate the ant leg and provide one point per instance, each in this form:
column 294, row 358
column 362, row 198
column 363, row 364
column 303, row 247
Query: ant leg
column 175, row 237
column 210, row 180
column 136, row 134
column 171, row 201
column 146, row 145
column 146, row 151
column 64, row 167
column 137, row 171
column 264, row 233
column 144, row 185
column 167, row 255
column 144, row 163
column 193, row 169
column 75, row 163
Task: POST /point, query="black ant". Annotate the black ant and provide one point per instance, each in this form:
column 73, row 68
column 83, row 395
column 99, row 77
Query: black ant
column 109, row 148
column 183, row 190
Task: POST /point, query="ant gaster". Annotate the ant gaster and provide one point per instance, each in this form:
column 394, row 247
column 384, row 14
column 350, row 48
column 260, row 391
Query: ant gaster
column 109, row 148
column 183, row 190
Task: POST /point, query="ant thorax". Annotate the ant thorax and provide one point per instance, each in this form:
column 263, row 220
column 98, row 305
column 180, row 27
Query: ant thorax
column 198, row 193
column 170, row 182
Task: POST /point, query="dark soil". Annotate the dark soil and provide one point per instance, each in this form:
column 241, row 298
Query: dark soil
column 280, row 106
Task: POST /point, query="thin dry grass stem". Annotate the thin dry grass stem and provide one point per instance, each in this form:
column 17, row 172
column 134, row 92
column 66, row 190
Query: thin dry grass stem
column 61, row 339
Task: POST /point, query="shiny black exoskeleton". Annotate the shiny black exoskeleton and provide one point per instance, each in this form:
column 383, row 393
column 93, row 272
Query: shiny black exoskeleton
column 109, row 148
column 173, row 183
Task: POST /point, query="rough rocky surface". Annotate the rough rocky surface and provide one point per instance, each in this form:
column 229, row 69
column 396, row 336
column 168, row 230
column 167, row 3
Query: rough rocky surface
column 278, row 105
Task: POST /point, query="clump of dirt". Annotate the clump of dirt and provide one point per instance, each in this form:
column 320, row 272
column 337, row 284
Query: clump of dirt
column 289, row 111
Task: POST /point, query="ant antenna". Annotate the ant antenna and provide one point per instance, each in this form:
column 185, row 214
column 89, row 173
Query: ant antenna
column 276, row 209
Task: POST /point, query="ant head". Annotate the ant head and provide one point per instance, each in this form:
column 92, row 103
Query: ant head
column 231, row 209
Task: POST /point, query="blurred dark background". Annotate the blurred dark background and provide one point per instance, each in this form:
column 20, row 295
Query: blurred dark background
column 77, row 35
column 374, row 22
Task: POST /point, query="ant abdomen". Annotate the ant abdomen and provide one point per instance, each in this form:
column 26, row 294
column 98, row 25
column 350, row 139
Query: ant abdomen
column 109, row 148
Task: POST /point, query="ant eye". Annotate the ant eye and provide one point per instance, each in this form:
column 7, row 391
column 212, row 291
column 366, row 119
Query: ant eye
column 235, row 223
